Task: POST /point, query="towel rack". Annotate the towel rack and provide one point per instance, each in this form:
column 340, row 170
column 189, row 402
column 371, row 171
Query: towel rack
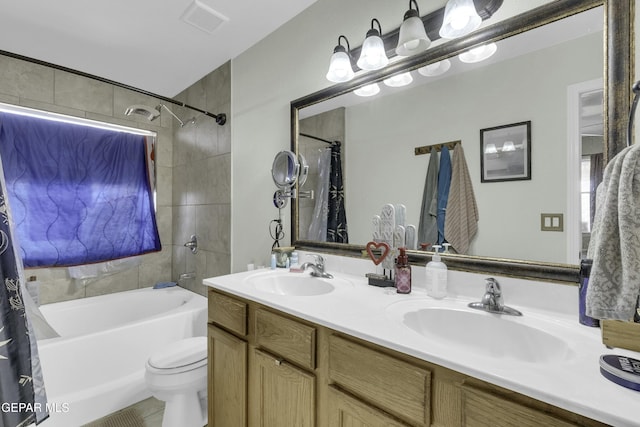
column 426, row 149
column 632, row 111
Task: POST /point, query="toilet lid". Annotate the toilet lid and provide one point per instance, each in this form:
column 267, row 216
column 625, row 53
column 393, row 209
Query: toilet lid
column 180, row 354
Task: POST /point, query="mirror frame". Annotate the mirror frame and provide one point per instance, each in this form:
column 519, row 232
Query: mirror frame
column 618, row 67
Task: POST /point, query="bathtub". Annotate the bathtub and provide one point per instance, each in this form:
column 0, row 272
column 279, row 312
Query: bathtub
column 96, row 366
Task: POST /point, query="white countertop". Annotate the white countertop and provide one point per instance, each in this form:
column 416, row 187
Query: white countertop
column 366, row 312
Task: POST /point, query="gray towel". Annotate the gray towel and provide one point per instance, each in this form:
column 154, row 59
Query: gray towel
column 462, row 211
column 428, row 226
column 614, row 283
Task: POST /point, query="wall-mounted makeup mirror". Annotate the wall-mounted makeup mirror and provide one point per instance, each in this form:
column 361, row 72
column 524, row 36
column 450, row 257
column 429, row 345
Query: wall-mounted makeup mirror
column 472, row 101
column 287, row 170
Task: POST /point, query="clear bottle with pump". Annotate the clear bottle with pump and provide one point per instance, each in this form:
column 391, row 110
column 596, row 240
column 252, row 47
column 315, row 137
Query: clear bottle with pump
column 436, row 276
column 403, row 272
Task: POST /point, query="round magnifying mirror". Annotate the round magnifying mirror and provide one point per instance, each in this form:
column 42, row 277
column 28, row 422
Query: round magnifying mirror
column 285, row 169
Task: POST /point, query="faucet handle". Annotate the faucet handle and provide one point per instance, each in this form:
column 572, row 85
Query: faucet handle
column 319, row 259
column 492, row 286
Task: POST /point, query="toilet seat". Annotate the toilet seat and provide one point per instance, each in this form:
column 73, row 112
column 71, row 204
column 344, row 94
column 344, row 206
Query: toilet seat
column 181, row 356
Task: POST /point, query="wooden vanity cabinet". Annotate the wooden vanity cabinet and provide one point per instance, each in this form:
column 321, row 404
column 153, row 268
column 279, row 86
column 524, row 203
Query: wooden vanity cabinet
column 271, row 369
column 227, row 382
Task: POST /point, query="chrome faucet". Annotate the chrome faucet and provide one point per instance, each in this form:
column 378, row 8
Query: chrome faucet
column 492, row 300
column 317, row 268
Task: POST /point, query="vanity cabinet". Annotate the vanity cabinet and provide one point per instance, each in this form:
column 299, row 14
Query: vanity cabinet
column 280, row 394
column 227, row 372
column 390, row 384
column 227, row 361
column 271, row 369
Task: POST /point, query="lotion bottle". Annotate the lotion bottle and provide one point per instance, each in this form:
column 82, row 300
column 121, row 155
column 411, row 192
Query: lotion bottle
column 436, row 276
column 403, row 272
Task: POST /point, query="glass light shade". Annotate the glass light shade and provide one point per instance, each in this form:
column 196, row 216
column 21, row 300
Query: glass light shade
column 479, row 53
column 508, row 146
column 372, row 56
column 368, row 90
column 435, row 69
column 460, row 18
column 413, row 37
column 490, row 149
column 399, row 80
column 340, row 69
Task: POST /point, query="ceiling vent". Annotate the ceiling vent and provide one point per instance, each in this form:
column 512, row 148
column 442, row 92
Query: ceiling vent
column 203, row 17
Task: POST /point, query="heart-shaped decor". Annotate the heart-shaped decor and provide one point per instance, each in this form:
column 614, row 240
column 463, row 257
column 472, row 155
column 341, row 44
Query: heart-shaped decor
column 371, row 246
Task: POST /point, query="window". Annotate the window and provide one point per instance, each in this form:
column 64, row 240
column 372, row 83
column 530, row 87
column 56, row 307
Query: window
column 80, row 192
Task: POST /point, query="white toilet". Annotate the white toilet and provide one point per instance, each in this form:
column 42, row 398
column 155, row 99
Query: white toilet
column 177, row 375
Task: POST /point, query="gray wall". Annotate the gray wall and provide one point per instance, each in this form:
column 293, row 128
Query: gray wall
column 37, row 86
column 202, row 182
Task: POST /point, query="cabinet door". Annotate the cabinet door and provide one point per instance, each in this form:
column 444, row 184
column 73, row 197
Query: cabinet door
column 227, row 384
column 283, row 396
column 347, row 411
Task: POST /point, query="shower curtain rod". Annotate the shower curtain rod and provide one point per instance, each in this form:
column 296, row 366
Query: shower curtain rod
column 320, row 139
column 220, row 118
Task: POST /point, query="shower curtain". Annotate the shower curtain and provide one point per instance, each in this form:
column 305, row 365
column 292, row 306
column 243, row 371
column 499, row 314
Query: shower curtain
column 22, row 392
column 337, row 217
column 318, row 227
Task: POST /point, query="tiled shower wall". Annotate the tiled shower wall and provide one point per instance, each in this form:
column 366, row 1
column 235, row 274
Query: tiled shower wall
column 41, row 87
column 202, row 182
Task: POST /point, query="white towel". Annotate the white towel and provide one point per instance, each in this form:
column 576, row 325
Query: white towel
column 461, row 223
column 614, row 283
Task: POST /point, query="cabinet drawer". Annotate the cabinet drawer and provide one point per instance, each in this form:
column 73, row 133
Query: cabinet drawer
column 347, row 411
column 228, row 312
column 483, row 409
column 294, row 341
column 392, row 385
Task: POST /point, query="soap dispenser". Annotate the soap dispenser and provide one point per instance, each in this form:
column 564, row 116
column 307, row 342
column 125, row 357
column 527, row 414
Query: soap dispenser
column 403, row 272
column 436, row 276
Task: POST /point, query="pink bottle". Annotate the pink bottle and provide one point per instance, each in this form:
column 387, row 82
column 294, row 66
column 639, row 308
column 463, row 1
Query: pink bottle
column 403, row 273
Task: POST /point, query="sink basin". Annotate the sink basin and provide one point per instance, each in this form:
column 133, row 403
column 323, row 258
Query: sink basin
column 295, row 284
column 486, row 334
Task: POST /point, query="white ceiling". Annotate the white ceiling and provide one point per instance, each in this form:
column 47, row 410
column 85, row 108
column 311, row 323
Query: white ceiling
column 141, row 43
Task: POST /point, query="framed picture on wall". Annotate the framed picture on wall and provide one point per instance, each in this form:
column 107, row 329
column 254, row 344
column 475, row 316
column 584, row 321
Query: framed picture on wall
column 506, row 152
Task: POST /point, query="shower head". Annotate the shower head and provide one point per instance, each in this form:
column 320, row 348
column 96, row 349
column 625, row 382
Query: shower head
column 149, row 113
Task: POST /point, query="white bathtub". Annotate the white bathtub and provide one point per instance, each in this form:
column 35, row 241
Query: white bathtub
column 96, row 366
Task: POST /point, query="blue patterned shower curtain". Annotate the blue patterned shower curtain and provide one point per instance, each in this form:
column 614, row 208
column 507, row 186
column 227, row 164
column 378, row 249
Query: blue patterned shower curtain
column 22, row 394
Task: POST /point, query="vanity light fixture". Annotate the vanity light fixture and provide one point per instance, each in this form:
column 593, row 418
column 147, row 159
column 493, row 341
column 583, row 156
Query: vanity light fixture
column 373, row 55
column 399, row 80
column 460, row 18
column 478, row 53
column 413, row 36
column 340, row 68
column 435, row 69
column 490, row 149
column 508, row 146
column 368, row 90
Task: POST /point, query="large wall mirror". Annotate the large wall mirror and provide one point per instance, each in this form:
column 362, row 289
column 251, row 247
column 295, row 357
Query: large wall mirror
column 564, row 67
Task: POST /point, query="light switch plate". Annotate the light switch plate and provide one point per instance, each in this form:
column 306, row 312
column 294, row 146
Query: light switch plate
column 552, row 222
